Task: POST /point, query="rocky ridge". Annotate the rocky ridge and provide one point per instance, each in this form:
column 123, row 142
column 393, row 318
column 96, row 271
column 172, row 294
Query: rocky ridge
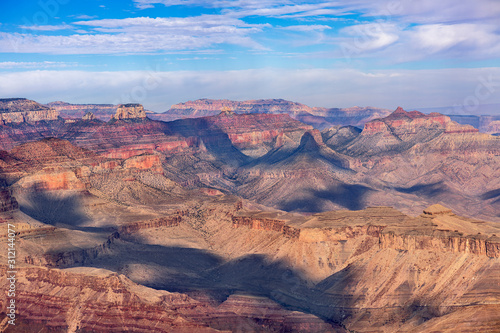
column 316, row 116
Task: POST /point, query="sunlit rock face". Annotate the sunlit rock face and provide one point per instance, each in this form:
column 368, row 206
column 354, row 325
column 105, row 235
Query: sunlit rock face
column 20, row 110
column 130, row 111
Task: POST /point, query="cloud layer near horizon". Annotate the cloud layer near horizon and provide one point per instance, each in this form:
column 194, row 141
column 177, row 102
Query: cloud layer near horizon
column 314, row 87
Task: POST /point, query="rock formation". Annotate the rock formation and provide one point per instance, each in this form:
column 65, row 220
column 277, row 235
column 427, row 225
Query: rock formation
column 130, row 111
column 89, row 116
column 21, row 110
column 103, row 112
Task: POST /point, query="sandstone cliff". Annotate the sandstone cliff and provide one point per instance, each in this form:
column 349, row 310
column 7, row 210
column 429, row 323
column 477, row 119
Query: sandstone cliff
column 20, row 110
column 130, row 111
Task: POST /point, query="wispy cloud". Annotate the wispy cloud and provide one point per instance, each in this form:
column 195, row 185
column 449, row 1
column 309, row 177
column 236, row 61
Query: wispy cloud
column 42, row 64
column 398, row 43
column 84, row 17
column 306, row 28
column 46, row 27
column 139, row 35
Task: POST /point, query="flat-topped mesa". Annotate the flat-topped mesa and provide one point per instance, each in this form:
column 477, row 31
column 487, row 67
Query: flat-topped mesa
column 20, row 110
column 210, row 107
column 130, row 111
column 437, row 209
column 401, row 122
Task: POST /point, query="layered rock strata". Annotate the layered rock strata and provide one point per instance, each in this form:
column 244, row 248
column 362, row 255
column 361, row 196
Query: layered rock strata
column 21, row 110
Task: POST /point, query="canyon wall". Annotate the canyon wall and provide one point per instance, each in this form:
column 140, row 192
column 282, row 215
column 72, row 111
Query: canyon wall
column 21, row 110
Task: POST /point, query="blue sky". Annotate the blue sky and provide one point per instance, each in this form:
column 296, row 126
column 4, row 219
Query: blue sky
column 381, row 53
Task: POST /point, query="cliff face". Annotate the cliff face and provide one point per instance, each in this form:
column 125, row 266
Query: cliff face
column 101, row 303
column 390, row 228
column 20, row 110
column 103, row 112
column 209, row 107
column 130, row 111
column 7, row 202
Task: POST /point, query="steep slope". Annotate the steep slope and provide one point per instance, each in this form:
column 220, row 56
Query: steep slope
column 375, row 269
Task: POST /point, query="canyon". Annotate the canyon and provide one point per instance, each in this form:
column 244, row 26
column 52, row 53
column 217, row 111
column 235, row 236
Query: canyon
column 236, row 221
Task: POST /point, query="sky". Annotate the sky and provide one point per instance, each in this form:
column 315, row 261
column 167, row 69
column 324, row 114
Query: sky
column 381, row 53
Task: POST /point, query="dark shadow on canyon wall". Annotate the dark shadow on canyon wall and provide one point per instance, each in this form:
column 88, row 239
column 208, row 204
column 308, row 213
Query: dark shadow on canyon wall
column 63, row 210
column 215, row 140
column 199, row 272
column 425, row 190
column 348, row 196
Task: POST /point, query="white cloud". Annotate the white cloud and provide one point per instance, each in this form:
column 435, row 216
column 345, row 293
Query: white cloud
column 37, row 65
column 391, row 43
column 315, row 87
column 85, row 17
column 305, row 28
column 470, row 37
column 369, row 37
column 46, row 27
column 139, row 35
column 245, row 8
column 428, row 11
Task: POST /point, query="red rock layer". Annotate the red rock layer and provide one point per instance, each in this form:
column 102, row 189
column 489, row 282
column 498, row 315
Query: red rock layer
column 169, row 221
column 401, row 122
column 266, row 224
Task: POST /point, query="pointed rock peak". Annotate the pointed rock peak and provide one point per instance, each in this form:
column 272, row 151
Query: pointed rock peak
column 89, row 116
column 399, row 110
column 399, row 113
column 437, row 209
column 311, row 140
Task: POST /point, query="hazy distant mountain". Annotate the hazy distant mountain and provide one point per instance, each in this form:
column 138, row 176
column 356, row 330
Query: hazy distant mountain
column 318, row 117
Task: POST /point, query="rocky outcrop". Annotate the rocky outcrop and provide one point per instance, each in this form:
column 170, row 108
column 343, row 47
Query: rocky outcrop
column 21, row 110
column 144, row 162
column 168, row 221
column 71, row 257
column 266, row 224
column 7, row 202
column 89, row 116
column 105, row 302
column 391, row 229
column 130, row 111
column 50, row 179
column 442, row 241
